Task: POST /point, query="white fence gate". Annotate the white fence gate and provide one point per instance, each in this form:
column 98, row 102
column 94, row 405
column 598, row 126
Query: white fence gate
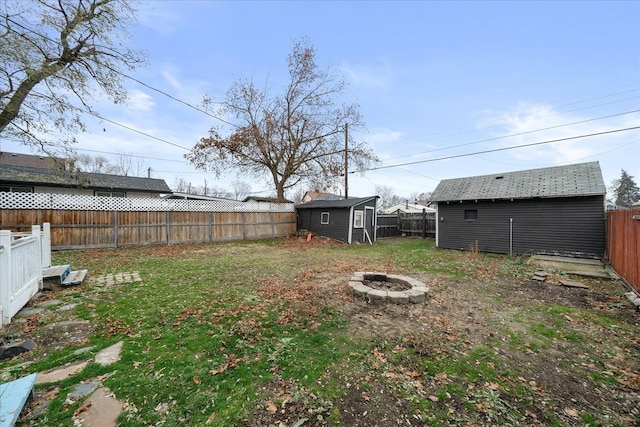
column 22, row 258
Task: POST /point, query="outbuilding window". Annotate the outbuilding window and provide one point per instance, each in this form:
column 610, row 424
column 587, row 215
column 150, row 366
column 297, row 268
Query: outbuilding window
column 358, row 219
column 470, row 214
column 324, row 218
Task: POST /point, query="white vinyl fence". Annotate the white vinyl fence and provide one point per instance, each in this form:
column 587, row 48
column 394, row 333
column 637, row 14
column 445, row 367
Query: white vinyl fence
column 22, row 258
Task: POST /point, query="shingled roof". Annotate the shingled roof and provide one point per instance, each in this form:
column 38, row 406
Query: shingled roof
column 342, row 203
column 21, row 175
column 583, row 179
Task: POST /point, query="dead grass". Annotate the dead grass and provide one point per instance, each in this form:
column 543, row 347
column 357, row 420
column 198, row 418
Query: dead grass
column 268, row 333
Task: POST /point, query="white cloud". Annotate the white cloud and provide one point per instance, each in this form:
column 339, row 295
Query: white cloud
column 375, row 76
column 539, row 123
column 139, row 101
column 169, row 76
column 381, row 137
column 160, row 17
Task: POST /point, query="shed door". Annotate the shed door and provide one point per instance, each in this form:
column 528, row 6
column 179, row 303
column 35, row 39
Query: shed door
column 369, row 223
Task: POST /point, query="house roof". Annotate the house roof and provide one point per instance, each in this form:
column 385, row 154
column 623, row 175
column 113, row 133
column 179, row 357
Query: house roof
column 320, row 195
column 407, row 208
column 21, row 175
column 189, row 196
column 343, row 203
column 263, row 199
column 583, row 179
column 29, row 160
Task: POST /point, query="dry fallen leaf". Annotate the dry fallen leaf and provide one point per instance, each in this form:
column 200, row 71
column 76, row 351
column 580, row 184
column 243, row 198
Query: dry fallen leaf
column 571, row 412
column 272, row 408
column 196, row 380
column 441, row 376
column 211, row 418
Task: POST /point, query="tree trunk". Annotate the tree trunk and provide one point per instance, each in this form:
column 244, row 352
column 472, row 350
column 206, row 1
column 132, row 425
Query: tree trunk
column 280, row 191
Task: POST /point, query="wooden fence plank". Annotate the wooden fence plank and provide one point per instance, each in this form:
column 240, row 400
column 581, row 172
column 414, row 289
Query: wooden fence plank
column 623, row 244
column 74, row 229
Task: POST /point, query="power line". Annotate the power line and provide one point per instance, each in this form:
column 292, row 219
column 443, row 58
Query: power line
column 94, row 114
column 498, row 149
column 173, row 97
column 514, row 134
column 497, row 122
column 46, row 37
column 129, row 155
column 574, row 160
column 139, row 131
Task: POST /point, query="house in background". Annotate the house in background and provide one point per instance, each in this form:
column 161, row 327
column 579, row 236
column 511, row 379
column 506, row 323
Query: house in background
column 554, row 211
column 38, row 174
column 319, row 195
column 413, row 208
column 347, row 220
column 188, row 196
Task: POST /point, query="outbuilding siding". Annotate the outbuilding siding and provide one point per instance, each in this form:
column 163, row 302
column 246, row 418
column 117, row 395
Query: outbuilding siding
column 341, row 218
column 309, row 219
column 572, row 226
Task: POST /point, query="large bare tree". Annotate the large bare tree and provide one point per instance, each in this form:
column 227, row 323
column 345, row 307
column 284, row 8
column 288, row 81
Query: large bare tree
column 294, row 136
column 54, row 56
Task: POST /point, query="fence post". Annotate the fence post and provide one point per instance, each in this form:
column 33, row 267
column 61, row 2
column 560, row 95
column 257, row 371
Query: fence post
column 424, row 223
column 273, row 225
column 5, row 275
column 168, row 227
column 210, row 228
column 244, row 227
column 116, row 228
column 35, row 232
column 46, row 245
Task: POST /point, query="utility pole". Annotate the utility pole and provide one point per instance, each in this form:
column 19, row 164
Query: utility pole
column 346, row 160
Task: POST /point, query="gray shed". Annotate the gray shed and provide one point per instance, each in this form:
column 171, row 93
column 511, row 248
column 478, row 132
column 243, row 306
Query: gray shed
column 347, row 220
column 554, row 211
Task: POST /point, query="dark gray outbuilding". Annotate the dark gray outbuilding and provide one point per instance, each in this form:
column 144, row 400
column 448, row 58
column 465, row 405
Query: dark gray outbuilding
column 348, row 220
column 554, row 211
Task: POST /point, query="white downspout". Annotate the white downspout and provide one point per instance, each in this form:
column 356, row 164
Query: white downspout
column 350, row 225
column 437, row 224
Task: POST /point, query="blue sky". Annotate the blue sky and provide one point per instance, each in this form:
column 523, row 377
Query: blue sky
column 433, row 80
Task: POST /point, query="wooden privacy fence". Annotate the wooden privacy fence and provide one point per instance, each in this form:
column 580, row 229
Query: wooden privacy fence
column 421, row 224
column 387, row 226
column 81, row 222
column 623, row 244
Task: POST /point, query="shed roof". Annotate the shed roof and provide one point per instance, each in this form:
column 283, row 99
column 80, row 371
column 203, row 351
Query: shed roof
column 335, row 204
column 582, row 179
column 21, row 175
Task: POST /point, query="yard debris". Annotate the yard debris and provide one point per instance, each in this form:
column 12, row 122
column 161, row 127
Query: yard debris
column 571, row 284
column 634, row 298
column 13, row 349
column 540, row 276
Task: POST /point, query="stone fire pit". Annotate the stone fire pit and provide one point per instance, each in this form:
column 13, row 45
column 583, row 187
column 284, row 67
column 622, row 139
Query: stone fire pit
column 381, row 287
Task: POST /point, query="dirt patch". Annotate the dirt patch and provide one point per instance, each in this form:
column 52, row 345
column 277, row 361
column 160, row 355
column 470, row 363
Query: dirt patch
column 495, row 313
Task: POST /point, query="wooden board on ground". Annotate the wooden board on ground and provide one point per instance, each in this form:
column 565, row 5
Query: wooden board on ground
column 13, row 396
column 573, row 284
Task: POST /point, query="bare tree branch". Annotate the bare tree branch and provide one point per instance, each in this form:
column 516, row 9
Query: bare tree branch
column 297, row 136
column 65, row 47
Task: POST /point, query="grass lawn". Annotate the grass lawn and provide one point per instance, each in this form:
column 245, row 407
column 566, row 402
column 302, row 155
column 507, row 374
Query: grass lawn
column 262, row 333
